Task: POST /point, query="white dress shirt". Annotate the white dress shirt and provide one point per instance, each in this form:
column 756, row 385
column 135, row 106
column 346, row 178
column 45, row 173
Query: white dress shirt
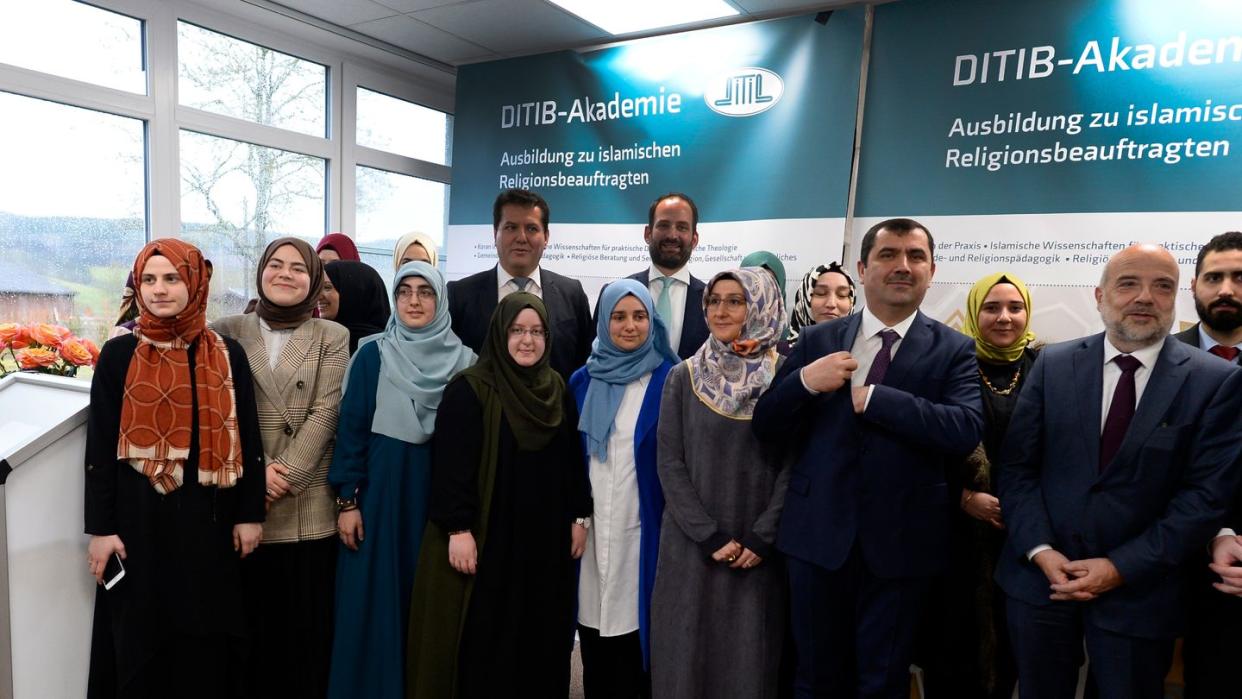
column 505, row 285
column 678, row 290
column 608, row 586
column 1206, row 342
column 1111, row 375
column 274, row 341
column 867, row 346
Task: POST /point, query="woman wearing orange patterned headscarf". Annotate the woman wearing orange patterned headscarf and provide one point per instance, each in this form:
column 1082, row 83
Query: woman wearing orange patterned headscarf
column 174, row 490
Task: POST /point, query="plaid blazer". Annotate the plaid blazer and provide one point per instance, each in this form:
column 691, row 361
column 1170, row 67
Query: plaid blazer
column 298, row 404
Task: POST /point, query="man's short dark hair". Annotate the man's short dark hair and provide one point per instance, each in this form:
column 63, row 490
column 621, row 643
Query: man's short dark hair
column 1225, row 241
column 898, row 226
column 694, row 209
column 519, row 197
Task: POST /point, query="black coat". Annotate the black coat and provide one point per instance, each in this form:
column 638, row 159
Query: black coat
column 473, row 299
column 181, row 572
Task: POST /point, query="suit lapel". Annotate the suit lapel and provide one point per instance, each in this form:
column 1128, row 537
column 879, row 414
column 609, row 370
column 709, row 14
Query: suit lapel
column 1089, row 387
column 293, row 356
column 1167, row 377
column 256, row 354
column 913, row 347
column 846, row 333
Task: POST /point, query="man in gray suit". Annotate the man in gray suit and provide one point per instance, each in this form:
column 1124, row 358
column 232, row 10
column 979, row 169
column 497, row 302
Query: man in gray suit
column 520, row 226
column 1213, row 642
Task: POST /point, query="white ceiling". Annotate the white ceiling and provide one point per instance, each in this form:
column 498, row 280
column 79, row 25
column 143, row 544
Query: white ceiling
column 455, row 32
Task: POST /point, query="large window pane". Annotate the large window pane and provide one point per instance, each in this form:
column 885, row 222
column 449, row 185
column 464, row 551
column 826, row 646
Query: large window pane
column 75, row 41
column 390, row 205
column 236, row 198
column 227, row 76
column 72, row 213
column 393, row 125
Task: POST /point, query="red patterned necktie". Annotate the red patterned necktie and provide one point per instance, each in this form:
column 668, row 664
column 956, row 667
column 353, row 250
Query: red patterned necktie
column 1227, row 353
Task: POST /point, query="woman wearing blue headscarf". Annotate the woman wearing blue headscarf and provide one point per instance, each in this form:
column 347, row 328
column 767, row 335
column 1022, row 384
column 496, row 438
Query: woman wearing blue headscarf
column 380, row 472
column 618, row 394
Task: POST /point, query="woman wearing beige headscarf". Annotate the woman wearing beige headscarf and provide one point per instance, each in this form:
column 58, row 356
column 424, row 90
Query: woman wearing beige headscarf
column 415, row 247
column 298, row 363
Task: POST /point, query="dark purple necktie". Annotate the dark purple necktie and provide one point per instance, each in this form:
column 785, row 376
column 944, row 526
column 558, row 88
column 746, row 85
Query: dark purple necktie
column 879, row 367
column 1120, row 411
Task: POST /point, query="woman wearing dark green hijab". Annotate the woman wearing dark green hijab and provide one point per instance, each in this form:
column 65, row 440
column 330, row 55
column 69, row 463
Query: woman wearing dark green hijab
column 492, row 608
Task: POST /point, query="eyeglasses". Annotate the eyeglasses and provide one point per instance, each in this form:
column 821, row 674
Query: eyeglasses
column 424, row 293
column 732, row 303
column 535, row 333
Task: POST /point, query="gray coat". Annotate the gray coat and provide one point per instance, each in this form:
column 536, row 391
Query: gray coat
column 716, row 631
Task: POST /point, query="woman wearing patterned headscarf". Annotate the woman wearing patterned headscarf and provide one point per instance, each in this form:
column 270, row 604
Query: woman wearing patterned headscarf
column 492, row 609
column 298, row 363
column 127, row 314
column 826, row 293
column 174, row 488
column 618, row 393
column 718, row 608
column 964, row 639
column 380, row 470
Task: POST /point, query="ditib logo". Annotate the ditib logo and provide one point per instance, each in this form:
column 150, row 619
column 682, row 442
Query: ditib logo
column 744, row 92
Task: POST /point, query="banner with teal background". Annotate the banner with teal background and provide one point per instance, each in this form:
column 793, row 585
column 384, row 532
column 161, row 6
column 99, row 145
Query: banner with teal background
column 754, row 121
column 1039, row 137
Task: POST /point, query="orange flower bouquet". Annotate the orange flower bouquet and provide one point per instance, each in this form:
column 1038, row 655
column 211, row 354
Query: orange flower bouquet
column 44, row 348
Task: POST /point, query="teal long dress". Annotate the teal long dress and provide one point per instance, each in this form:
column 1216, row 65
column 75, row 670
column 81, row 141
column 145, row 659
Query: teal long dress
column 373, row 584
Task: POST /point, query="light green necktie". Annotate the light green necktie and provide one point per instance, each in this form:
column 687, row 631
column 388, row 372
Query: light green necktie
column 664, row 304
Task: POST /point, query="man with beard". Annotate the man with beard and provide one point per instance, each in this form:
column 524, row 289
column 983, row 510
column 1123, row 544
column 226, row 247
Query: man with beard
column 1213, row 644
column 1112, row 476
column 672, row 232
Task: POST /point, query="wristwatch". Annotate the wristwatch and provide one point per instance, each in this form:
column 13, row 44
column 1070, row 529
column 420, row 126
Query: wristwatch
column 584, row 522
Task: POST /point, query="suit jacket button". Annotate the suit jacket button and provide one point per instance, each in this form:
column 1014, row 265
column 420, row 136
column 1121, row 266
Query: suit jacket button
column 301, row 384
column 288, row 430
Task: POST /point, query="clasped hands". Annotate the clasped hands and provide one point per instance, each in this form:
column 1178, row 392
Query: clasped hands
column 1077, row 581
column 832, row 371
column 736, row 556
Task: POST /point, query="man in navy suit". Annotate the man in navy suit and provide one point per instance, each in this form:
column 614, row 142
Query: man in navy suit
column 671, row 234
column 879, row 404
column 1213, row 644
column 1120, row 461
column 520, row 226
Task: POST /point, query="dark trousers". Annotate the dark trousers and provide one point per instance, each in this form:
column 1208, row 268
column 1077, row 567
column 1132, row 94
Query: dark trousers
column 291, row 594
column 1048, row 644
column 854, row 632
column 612, row 666
column 1212, row 649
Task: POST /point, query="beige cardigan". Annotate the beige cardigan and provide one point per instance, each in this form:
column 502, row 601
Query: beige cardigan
column 298, row 404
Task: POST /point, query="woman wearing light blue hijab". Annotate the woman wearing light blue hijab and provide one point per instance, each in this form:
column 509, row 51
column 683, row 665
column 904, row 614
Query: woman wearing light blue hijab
column 380, row 472
column 618, row 394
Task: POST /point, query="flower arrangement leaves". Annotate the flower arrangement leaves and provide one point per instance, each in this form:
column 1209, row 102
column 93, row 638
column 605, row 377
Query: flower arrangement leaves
column 44, row 348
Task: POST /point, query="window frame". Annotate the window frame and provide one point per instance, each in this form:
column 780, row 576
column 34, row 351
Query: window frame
column 349, row 64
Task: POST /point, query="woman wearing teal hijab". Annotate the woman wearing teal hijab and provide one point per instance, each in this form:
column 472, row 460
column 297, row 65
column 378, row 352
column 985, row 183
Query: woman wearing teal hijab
column 380, row 471
column 618, row 393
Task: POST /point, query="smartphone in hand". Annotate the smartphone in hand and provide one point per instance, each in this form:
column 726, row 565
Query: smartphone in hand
column 114, row 571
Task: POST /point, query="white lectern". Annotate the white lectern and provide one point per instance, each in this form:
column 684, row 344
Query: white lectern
column 46, row 594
